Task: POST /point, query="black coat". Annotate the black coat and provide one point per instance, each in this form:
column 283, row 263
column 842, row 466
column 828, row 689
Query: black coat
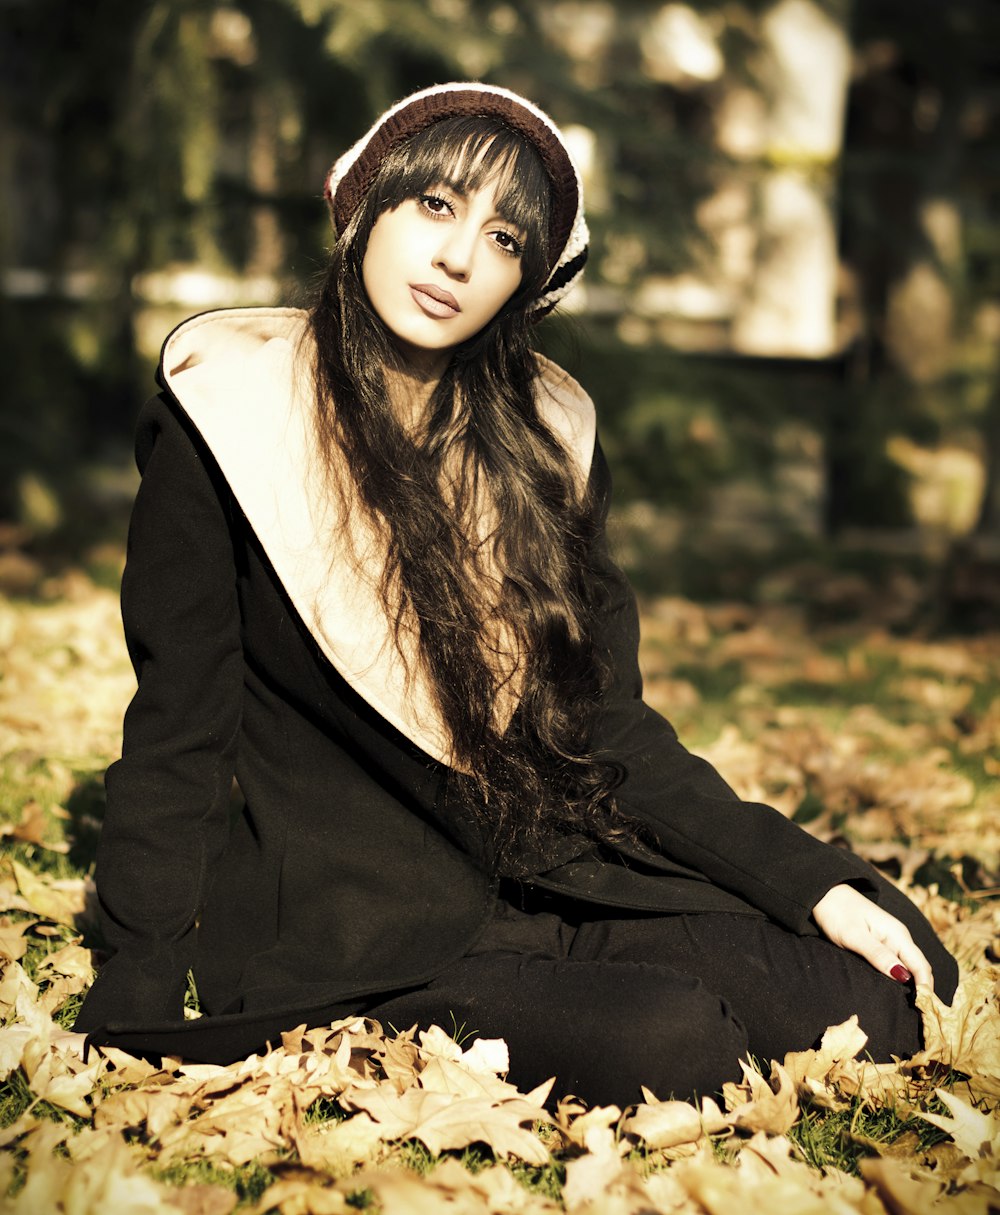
column 346, row 873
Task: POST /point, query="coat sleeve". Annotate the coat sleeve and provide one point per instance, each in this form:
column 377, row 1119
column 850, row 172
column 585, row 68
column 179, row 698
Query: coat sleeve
column 695, row 818
column 168, row 796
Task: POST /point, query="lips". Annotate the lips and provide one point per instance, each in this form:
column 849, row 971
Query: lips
column 435, row 301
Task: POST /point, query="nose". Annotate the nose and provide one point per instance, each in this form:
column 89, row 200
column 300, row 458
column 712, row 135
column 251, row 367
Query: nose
column 456, row 251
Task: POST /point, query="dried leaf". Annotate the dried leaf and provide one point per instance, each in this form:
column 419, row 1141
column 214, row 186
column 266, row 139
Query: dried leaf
column 336, row 1147
column 441, row 1121
column 766, row 1181
column 435, row 1042
column 600, row 1181
column 487, row 1055
column 30, row 829
column 12, row 942
column 427, row 1086
column 45, row 899
column 19, row 1002
column 57, row 1084
column 875, row 1084
column 965, row 1036
column 499, row 1190
column 589, row 1129
column 815, row 1072
column 106, row 1183
column 407, row 1193
column 772, row 1108
column 665, row 1124
column 443, row 1075
column 976, row 1133
column 125, row 1068
column 900, row 1191
column 457, row 1123
column 200, row 1199
column 301, row 1196
column 72, row 961
column 13, row 1040
column 17, row 991
column 133, row 1109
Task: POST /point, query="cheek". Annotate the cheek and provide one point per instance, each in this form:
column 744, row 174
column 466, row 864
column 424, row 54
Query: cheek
column 391, row 239
column 506, row 281
column 376, row 256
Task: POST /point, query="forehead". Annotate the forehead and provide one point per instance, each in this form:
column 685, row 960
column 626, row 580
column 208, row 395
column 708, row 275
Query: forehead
column 506, row 168
column 475, row 171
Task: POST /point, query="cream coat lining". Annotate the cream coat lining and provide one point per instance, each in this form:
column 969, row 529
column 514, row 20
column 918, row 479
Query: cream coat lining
column 243, row 377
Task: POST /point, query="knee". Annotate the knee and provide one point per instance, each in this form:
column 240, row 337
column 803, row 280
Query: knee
column 676, row 1038
column 685, row 1046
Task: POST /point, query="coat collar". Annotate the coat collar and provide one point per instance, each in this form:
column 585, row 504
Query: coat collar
column 244, row 378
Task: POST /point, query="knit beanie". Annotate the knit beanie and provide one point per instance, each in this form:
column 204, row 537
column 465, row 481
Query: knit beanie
column 352, row 175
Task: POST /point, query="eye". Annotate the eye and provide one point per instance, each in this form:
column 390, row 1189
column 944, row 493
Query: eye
column 508, row 243
column 435, row 205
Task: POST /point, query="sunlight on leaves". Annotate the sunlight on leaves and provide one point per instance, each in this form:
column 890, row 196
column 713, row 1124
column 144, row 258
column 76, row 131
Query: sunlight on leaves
column 347, row 1115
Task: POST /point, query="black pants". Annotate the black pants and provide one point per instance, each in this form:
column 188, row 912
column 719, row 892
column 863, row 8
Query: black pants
column 671, row 1002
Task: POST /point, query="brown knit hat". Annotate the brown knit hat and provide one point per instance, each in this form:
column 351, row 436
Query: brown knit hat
column 352, row 175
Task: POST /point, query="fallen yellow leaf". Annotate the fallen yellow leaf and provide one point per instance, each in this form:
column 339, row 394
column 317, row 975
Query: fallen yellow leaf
column 965, row 1036
column 45, row 900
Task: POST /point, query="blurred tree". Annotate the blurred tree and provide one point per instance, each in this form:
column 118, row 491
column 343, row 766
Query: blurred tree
column 920, row 193
column 109, row 124
column 150, row 136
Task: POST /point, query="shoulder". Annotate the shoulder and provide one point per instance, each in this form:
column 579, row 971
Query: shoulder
column 228, row 333
column 568, row 409
column 229, row 379
column 239, row 359
column 558, row 390
column 240, row 378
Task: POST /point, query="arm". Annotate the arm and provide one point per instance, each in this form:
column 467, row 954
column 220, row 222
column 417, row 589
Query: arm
column 694, row 817
column 168, row 796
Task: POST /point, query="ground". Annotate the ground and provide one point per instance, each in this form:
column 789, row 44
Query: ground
column 877, row 740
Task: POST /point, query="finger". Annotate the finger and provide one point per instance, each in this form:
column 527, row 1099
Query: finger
column 911, row 957
column 887, row 960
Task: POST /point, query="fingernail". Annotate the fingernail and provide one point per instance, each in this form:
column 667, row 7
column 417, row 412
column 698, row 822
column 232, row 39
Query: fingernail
column 900, row 974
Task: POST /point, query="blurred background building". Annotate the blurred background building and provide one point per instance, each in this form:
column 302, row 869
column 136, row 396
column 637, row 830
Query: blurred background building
column 790, row 322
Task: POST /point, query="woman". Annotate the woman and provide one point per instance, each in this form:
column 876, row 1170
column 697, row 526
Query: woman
column 367, row 575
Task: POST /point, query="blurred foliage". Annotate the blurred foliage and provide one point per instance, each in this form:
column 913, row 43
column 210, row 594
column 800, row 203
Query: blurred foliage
column 922, row 143
column 143, row 135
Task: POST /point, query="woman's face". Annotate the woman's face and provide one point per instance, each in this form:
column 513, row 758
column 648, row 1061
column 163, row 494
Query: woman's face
column 439, row 267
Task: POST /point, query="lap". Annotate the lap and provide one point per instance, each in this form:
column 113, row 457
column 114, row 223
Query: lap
column 672, row 1002
column 602, row 1029
column 785, row 989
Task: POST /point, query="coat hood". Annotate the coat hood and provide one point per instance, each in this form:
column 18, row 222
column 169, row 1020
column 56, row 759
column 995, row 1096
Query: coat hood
column 244, row 378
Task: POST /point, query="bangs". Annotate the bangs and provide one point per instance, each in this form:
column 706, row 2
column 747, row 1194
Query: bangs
column 468, row 154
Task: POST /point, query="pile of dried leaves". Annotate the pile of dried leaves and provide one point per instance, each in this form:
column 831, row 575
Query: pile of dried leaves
column 349, row 1117
column 892, row 742
column 328, row 1112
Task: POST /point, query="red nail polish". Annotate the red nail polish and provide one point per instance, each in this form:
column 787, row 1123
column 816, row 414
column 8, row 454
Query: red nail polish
column 900, row 974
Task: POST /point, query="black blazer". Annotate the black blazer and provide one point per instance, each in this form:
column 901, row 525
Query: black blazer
column 345, row 873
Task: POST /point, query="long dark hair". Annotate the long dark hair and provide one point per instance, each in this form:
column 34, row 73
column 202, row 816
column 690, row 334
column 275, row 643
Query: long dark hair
column 500, row 606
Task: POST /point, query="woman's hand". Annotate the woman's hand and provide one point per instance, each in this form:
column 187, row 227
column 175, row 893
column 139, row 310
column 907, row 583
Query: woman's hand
column 853, row 922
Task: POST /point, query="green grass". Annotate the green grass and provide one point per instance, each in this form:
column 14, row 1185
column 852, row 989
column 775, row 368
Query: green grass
column 842, row 1138
column 247, row 1181
column 16, row 1097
